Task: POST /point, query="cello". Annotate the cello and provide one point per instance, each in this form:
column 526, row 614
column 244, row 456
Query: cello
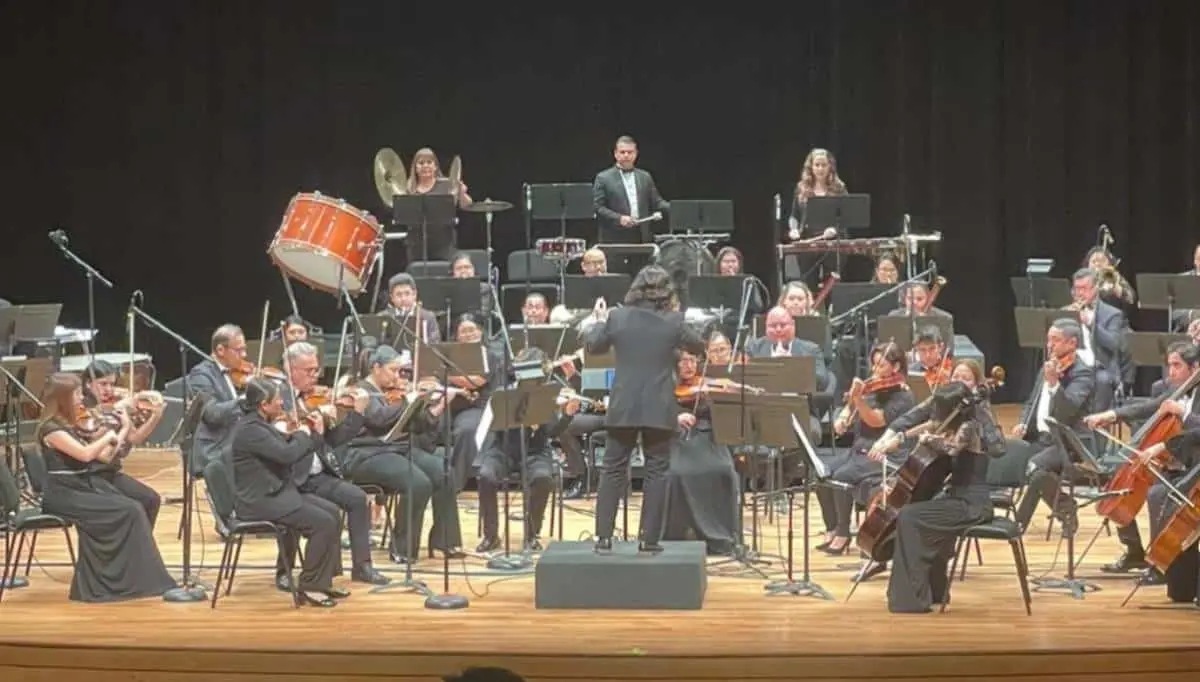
column 1134, row 478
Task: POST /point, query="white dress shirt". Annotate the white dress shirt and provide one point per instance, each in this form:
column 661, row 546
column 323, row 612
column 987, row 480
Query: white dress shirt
column 629, row 179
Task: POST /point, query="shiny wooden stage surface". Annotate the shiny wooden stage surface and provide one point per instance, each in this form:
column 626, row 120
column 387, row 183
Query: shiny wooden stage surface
column 741, row 634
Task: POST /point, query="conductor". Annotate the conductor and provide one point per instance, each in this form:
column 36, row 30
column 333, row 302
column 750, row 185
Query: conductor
column 644, row 336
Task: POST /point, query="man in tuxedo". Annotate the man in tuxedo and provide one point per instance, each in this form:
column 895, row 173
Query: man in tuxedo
column 1182, row 360
column 319, row 473
column 402, row 304
column 621, row 195
column 1105, row 336
column 1062, row 394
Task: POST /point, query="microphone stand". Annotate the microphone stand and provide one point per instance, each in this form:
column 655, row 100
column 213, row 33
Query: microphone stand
column 191, row 588
column 865, row 306
column 93, row 275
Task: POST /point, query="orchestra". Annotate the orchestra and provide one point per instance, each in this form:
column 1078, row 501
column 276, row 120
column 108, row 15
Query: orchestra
column 301, row 448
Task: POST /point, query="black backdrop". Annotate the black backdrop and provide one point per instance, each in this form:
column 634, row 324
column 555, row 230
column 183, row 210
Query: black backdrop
column 167, row 138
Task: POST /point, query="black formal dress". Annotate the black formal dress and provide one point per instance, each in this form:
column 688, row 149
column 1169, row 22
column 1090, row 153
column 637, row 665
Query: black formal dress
column 851, row 468
column 410, row 466
column 702, row 487
column 926, row 531
column 117, row 556
column 641, row 404
column 128, row 485
column 465, row 418
column 502, row 456
column 264, row 473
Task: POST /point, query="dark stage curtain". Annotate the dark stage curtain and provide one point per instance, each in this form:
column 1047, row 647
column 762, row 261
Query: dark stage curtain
column 167, row 138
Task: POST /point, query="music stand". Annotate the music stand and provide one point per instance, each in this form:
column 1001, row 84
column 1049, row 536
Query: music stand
column 529, row 404
column 555, row 340
column 814, row 328
column 1080, row 459
column 1033, row 323
column 701, row 215
column 845, row 212
column 1168, row 292
column 1041, row 292
column 902, row 329
column 419, row 212
column 580, row 293
column 847, row 295
column 388, row 330
column 449, row 295
column 272, row 349
column 715, row 292
column 626, row 256
column 17, row 376
column 1150, row 348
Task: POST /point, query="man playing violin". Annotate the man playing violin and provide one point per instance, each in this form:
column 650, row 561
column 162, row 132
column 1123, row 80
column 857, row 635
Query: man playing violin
column 1065, row 386
column 318, row 473
column 100, row 393
column 1183, row 360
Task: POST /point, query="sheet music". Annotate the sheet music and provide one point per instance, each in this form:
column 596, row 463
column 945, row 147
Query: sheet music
column 485, row 425
column 819, row 468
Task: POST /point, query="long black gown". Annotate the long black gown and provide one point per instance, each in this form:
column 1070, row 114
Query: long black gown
column 118, row 559
column 702, row 488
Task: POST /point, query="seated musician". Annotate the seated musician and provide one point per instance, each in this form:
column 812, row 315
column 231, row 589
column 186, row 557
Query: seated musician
column 293, row 329
column 100, row 392
column 934, row 360
column 411, row 466
column 402, row 305
column 730, row 262
column 265, row 461
column 117, row 558
column 1105, row 337
column 535, row 310
column 887, row 269
column 462, row 267
column 1115, row 290
column 594, row 263
column 780, row 341
column 871, row 407
column 719, row 350
column 212, row 377
column 702, row 482
column 1182, row 576
column 818, row 178
column 502, row 455
column 1183, row 359
column 320, row 474
column 914, row 300
column 797, row 299
column 1066, row 384
column 926, row 531
column 469, row 397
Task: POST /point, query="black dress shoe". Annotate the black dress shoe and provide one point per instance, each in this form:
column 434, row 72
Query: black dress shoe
column 533, row 544
column 397, row 558
column 1152, row 577
column 323, row 603
column 650, row 548
column 447, row 553
column 489, row 544
column 574, row 489
column 831, row 550
column 370, row 576
column 337, row 593
column 1129, row 561
column 603, row 546
column 283, row 584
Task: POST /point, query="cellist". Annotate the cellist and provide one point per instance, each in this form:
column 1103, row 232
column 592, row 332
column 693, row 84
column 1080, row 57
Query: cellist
column 1183, row 359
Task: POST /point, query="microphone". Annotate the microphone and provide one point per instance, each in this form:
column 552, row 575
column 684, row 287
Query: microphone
column 933, row 273
column 59, row 237
column 136, row 299
column 778, row 208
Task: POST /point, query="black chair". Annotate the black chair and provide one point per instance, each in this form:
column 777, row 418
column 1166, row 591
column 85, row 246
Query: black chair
column 1010, row 530
column 18, row 523
column 382, row 498
column 216, row 475
column 429, row 268
column 1006, row 477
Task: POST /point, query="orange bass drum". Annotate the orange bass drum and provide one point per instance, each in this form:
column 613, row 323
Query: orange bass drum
column 326, row 243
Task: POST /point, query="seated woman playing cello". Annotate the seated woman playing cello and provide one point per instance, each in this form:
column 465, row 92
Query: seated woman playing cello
column 926, row 531
column 870, row 407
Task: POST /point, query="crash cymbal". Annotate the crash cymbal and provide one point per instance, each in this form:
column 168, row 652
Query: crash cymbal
column 455, row 173
column 488, row 206
column 390, row 176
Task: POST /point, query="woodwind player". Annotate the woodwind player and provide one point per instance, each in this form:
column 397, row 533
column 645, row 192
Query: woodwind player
column 1105, row 336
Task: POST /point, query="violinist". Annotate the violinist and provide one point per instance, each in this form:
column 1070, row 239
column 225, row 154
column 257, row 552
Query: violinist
column 720, row 349
column 1183, row 359
column 402, row 306
column 871, row 406
column 935, row 362
column 411, row 466
column 1062, row 392
column 213, row 377
column 117, row 559
column 99, row 393
column 926, row 531
column 1105, row 337
column 702, row 485
column 503, row 455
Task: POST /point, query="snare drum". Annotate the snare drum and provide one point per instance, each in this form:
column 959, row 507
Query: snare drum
column 326, row 243
column 561, row 249
column 143, row 368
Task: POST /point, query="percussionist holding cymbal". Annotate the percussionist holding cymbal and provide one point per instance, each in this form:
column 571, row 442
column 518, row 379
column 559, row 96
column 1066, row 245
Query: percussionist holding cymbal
column 427, row 178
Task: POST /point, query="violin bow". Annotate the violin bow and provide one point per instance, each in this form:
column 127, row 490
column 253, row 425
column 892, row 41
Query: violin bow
column 262, row 344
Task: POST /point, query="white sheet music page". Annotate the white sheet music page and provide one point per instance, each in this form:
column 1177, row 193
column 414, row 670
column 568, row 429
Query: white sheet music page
column 485, row 425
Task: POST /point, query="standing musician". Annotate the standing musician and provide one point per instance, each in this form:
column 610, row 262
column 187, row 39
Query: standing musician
column 1066, row 384
column 623, row 194
column 402, row 305
column 319, row 473
column 644, row 336
column 1115, row 290
column 100, row 393
column 414, row 469
column 1183, row 359
column 503, row 455
column 871, row 406
column 926, row 531
column 264, row 463
column 818, row 178
column 427, row 178
column 1105, row 336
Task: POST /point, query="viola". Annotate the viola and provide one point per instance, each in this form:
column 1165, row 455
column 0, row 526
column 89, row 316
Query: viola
column 247, row 370
column 687, row 389
column 91, row 423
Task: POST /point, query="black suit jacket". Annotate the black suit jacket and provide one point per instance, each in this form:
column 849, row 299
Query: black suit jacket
column 610, row 203
column 377, row 422
column 1110, row 343
column 761, row 348
column 644, row 343
column 215, row 431
column 393, row 335
column 263, row 462
column 1145, row 409
column 1067, row 404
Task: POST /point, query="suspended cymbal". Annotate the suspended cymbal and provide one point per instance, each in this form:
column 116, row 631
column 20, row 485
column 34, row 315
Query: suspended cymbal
column 455, row 173
column 488, row 206
column 390, row 176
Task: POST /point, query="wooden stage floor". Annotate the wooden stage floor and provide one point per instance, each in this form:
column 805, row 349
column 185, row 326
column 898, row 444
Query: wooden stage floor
column 741, row 634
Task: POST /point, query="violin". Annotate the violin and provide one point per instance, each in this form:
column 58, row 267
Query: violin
column 687, row 391
column 93, row 423
column 247, row 370
column 323, row 396
column 141, row 406
column 873, row 385
column 936, row 376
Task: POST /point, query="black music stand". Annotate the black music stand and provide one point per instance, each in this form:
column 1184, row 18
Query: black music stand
column 388, row 330
column 701, row 215
column 529, row 404
column 16, row 376
column 623, row 257
column 555, row 340
column 1033, row 323
column 902, row 329
column 814, row 328
column 1149, row 349
column 845, row 300
column 1169, row 292
column 919, row 386
column 580, row 293
column 814, row 469
column 419, row 212
column 716, row 292
column 450, row 296
column 1079, row 458
column 561, row 201
column 845, row 213
column 1041, row 292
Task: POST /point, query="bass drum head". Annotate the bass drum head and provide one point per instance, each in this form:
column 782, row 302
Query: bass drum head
column 317, row 270
column 682, row 259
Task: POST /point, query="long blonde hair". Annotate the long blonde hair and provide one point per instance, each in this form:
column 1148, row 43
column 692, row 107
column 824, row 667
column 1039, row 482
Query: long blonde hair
column 808, row 182
column 58, row 399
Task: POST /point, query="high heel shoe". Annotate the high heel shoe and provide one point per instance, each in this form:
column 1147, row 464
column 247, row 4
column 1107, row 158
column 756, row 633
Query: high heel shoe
column 326, row 603
column 831, row 550
column 649, row 548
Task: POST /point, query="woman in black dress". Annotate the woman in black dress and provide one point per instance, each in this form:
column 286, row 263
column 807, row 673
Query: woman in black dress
column 118, row 559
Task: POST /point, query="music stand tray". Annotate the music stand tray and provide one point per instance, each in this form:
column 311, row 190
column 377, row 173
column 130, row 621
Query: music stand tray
column 428, row 210
column 555, row 340
column 1033, row 323
column 902, row 329
column 814, row 328
column 1168, row 291
column 525, row 405
column 846, row 212
column 580, row 292
column 457, row 294
column 1149, row 349
column 1041, row 292
column 847, row 295
column 702, row 215
column 561, row 201
column 36, row 321
column 715, row 291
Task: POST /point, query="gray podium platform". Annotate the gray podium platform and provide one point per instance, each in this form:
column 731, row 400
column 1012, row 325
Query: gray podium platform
column 570, row 575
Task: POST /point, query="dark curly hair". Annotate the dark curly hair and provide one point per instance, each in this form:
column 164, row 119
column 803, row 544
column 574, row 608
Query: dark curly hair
column 652, row 288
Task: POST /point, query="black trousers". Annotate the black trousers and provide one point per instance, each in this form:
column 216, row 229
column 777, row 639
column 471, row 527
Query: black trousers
column 494, row 470
column 925, row 537
column 463, row 452
column 857, row 476
column 572, row 441
column 339, row 496
column 318, row 521
column 1160, row 513
column 419, row 476
column 1046, row 470
column 656, row 445
column 139, row 492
